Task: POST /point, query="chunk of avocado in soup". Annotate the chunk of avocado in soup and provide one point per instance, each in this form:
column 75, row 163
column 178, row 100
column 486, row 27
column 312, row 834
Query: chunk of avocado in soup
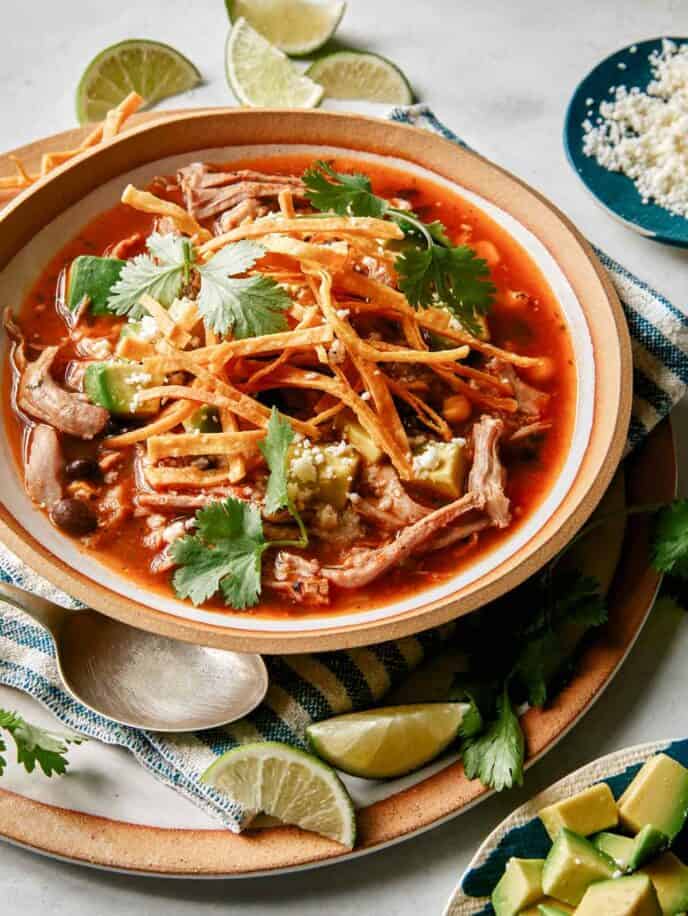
column 361, row 440
column 206, row 420
column 93, row 278
column 321, row 473
column 439, row 468
column 115, row 385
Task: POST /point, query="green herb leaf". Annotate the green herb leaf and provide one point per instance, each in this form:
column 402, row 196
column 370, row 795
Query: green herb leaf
column 341, row 193
column 249, row 306
column 36, row 745
column 275, row 448
column 160, row 274
column 670, row 540
column 496, row 756
column 225, row 555
column 455, row 278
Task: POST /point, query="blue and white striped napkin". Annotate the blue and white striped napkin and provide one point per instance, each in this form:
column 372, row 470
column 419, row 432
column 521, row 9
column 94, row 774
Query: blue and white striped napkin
column 312, row 687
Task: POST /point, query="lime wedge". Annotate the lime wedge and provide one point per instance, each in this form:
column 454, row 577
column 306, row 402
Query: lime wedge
column 260, row 75
column 381, row 743
column 285, row 783
column 365, row 77
column 154, row 70
column 295, row 26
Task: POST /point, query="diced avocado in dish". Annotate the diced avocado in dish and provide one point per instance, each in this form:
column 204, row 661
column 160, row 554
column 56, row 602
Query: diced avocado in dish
column 359, row 438
column 647, row 844
column 114, row 385
column 587, row 812
column 633, row 895
column 206, row 420
column 620, row 848
column 321, row 473
column 670, row 878
column 92, row 277
column 572, row 864
column 439, row 468
column 658, row 795
column 519, row 886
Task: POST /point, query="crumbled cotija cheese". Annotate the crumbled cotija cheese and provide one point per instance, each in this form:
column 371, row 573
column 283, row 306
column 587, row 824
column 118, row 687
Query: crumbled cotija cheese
column 644, row 135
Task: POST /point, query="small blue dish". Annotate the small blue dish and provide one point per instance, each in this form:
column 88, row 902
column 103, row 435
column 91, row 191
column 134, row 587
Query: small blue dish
column 617, row 193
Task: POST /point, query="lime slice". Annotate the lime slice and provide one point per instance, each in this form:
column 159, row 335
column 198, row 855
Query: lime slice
column 287, row 784
column 365, row 77
column 381, row 743
column 154, row 70
column 295, row 26
column 260, row 75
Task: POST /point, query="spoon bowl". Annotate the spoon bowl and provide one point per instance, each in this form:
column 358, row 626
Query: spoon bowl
column 140, row 679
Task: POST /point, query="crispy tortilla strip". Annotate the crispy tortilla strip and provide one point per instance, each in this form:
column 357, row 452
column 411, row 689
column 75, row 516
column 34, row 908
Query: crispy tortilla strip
column 116, row 117
column 184, row 477
column 170, row 417
column 197, row 393
column 298, row 339
column 183, row 445
column 134, row 348
column 286, row 204
column 318, row 255
column 149, row 203
column 475, row 395
column 354, row 225
column 426, row 414
column 325, row 415
column 237, row 465
column 176, row 334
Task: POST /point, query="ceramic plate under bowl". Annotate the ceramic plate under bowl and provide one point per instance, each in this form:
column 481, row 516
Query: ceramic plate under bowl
column 34, row 226
column 617, row 193
column 522, row 834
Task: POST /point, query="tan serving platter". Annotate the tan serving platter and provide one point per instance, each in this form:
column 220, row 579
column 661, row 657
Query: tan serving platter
column 607, row 372
column 103, row 841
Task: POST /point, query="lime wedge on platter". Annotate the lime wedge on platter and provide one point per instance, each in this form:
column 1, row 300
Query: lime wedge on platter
column 154, row 70
column 296, row 27
column 387, row 742
column 283, row 782
column 361, row 77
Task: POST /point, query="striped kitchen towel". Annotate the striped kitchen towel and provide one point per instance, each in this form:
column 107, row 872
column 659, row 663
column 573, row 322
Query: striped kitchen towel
column 312, row 687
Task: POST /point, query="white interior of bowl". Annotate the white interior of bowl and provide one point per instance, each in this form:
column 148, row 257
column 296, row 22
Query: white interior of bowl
column 23, row 270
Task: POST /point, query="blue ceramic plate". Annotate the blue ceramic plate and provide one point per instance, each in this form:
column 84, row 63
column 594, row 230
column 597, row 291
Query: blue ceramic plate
column 614, row 191
column 522, row 834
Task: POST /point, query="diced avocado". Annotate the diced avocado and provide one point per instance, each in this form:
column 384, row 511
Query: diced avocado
column 114, row 385
column 647, row 844
column 670, row 878
column 440, row 467
column 589, row 811
column 633, row 895
column 519, row 886
column 360, row 439
column 572, row 864
column 658, row 795
column 321, row 473
column 93, row 277
column 620, row 848
column 555, row 908
column 206, row 420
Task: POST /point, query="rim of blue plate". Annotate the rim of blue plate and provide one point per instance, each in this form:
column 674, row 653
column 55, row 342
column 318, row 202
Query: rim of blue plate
column 614, row 191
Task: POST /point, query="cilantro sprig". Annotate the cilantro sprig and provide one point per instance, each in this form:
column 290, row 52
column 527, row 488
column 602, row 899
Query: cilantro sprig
column 432, row 272
column 246, row 306
column 225, row 553
column 35, row 745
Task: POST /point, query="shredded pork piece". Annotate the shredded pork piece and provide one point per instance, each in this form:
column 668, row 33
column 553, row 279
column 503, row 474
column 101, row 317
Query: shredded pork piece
column 530, row 401
column 300, row 578
column 44, row 467
column 390, row 507
column 487, row 476
column 209, row 192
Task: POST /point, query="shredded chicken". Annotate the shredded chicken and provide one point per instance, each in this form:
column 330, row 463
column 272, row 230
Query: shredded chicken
column 487, row 476
column 531, row 402
column 209, row 192
column 44, row 467
column 300, row 578
column 533, row 429
column 390, row 506
column 366, row 564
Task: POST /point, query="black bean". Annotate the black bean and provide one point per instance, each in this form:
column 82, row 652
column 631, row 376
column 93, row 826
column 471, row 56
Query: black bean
column 82, row 469
column 74, row 516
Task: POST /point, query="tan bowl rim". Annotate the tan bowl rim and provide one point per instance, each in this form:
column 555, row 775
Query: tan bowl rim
column 184, row 132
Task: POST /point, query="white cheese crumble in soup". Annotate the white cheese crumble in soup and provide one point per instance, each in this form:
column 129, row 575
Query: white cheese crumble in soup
column 644, row 134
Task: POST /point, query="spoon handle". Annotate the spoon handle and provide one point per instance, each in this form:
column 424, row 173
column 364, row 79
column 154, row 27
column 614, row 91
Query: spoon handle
column 50, row 616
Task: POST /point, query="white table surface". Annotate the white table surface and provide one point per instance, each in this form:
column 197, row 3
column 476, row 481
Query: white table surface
column 500, row 73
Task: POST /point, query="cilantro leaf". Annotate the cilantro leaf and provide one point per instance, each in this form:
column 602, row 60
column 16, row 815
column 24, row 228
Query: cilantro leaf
column 248, row 306
column 455, row 278
column 275, row 449
column 496, row 756
column 670, row 540
column 224, row 555
column 341, row 193
column 36, row 745
column 160, row 274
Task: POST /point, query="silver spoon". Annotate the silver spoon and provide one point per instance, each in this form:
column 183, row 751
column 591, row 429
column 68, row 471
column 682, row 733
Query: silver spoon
column 140, row 679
